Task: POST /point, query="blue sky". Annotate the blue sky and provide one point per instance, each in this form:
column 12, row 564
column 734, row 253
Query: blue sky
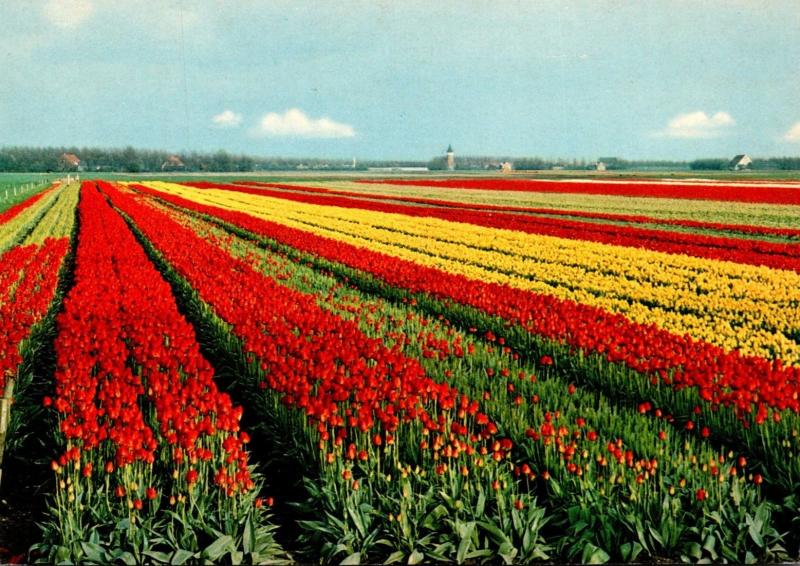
column 402, row 79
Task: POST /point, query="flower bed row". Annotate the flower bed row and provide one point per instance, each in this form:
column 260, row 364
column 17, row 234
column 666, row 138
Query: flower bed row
column 574, row 213
column 752, row 252
column 746, row 308
column 32, row 277
column 11, row 265
column 31, row 272
column 29, row 275
column 365, row 412
column 59, row 219
column 717, row 192
column 758, row 214
column 18, row 208
column 15, row 229
column 149, row 445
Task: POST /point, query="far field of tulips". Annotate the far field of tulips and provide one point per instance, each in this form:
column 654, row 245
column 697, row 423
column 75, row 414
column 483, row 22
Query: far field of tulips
column 475, row 370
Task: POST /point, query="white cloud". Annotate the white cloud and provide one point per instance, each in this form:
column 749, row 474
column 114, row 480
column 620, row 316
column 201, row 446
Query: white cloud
column 295, row 123
column 793, row 135
column 68, row 13
column 227, row 119
column 697, row 125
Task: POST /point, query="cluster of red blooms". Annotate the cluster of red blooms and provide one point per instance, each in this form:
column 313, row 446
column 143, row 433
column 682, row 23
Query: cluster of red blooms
column 120, row 336
column 720, row 192
column 574, row 446
column 32, row 272
column 15, row 210
column 752, row 252
column 13, row 262
column 722, row 377
column 321, row 364
column 630, row 218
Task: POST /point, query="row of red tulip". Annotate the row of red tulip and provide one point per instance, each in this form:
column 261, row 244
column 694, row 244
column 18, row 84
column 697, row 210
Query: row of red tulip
column 12, row 264
column 28, row 281
column 342, row 380
column 753, row 252
column 749, row 384
column 628, row 218
column 133, row 393
column 730, row 192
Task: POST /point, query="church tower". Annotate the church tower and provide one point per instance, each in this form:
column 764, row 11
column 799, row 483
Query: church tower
column 451, row 159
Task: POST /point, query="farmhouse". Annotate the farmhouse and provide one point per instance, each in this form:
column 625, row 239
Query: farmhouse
column 740, row 162
column 69, row 162
column 173, row 163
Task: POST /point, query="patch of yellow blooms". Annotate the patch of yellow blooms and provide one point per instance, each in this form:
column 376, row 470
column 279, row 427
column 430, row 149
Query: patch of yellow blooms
column 59, row 220
column 14, row 229
column 735, row 306
column 758, row 214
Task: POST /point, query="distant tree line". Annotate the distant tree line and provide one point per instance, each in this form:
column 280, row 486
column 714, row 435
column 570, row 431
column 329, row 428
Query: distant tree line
column 132, row 160
column 759, row 163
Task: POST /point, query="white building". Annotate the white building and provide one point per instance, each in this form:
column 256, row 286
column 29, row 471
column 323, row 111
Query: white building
column 740, row 162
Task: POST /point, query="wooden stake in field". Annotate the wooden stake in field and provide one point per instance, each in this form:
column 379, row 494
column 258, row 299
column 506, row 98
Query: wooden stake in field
column 5, row 416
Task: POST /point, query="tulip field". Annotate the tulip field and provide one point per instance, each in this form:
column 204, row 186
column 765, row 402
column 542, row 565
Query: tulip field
column 403, row 370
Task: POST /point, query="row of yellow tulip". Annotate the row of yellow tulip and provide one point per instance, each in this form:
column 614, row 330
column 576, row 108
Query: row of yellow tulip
column 59, row 219
column 776, row 216
column 753, row 309
column 15, row 228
